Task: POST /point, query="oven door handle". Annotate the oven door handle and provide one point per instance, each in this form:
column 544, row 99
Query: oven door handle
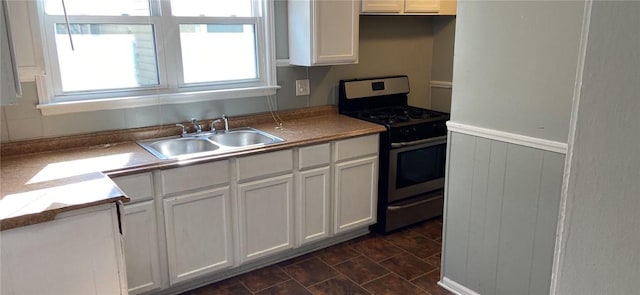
column 417, row 142
column 400, row 207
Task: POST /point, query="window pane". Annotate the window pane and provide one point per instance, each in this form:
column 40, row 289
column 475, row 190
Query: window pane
column 216, row 52
column 211, row 7
column 98, row 7
column 106, row 56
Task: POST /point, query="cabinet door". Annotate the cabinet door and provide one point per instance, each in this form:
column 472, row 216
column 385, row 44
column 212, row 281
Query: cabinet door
column 355, row 193
column 386, row 6
column 313, row 205
column 448, row 7
column 141, row 247
column 421, row 6
column 198, row 231
column 335, row 32
column 323, row 32
column 265, row 216
column 79, row 254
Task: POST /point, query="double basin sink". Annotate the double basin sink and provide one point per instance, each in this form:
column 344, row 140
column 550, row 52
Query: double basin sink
column 196, row 145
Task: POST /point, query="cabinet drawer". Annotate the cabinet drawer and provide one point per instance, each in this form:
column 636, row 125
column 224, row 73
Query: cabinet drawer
column 195, row 176
column 138, row 187
column 356, row 147
column 265, row 164
column 313, row 156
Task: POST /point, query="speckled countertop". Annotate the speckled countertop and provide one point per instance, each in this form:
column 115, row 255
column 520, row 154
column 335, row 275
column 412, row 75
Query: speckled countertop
column 37, row 185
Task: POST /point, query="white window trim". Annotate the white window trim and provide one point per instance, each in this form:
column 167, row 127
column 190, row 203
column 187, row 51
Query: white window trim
column 160, row 96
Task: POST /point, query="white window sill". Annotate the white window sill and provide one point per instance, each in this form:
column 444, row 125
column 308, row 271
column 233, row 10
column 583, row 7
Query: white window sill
column 59, row 108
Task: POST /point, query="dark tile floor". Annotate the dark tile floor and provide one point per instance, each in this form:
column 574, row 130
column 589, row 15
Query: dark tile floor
column 405, row 262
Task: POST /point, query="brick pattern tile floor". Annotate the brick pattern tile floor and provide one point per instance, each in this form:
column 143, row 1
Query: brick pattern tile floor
column 404, row 262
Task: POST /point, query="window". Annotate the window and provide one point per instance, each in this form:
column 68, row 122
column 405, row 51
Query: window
column 174, row 50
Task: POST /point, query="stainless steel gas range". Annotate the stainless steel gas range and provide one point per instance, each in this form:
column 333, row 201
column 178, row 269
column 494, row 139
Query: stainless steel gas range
column 412, row 150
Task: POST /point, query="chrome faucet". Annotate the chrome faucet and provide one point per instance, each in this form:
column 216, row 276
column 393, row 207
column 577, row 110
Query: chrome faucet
column 184, row 129
column 225, row 118
column 213, row 125
column 196, row 125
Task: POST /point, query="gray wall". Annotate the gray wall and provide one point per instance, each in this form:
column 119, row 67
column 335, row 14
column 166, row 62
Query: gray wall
column 601, row 239
column 501, row 211
column 514, row 72
column 388, row 46
column 515, row 65
column 442, row 69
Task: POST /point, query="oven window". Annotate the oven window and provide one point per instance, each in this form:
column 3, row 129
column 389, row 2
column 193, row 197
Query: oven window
column 420, row 165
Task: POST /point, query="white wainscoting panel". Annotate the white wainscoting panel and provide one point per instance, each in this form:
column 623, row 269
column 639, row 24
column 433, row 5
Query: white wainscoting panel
column 543, row 144
column 500, row 215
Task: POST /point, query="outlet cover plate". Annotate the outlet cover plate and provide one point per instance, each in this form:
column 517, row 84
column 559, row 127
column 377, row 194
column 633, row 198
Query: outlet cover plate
column 302, row 87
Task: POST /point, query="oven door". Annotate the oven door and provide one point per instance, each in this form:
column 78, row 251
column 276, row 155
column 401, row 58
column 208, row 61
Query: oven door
column 416, row 167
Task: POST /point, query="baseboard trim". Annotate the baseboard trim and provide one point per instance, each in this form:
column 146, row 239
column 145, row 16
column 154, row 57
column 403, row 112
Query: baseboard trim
column 528, row 141
column 455, row 287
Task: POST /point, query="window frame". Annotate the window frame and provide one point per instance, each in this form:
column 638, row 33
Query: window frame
column 171, row 88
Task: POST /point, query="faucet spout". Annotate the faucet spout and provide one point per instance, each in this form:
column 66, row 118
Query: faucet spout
column 196, row 125
column 225, row 118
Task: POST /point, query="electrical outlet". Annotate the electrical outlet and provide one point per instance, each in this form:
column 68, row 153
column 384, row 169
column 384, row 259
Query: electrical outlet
column 302, row 87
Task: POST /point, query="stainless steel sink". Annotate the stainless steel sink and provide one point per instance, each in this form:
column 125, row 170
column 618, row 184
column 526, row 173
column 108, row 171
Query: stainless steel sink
column 180, row 146
column 196, row 145
column 244, row 137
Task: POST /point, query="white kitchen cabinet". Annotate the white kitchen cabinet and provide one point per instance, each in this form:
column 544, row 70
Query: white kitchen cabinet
column 355, row 187
column 409, row 7
column 265, row 216
column 421, row 6
column 137, row 187
column 196, row 202
column 10, row 88
column 382, row 6
column 198, row 231
column 141, row 244
column 313, row 198
column 141, row 247
column 323, row 32
column 26, row 39
column 313, row 193
column 80, row 252
column 355, row 194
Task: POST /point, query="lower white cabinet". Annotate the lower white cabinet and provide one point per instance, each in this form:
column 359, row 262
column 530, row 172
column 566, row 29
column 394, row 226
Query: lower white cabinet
column 312, row 202
column 198, row 230
column 355, row 193
column 217, row 215
column 141, row 247
column 265, row 216
column 79, row 252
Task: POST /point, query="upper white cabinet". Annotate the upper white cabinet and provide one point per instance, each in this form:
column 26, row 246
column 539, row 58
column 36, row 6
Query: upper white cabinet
column 382, row 6
column 26, row 39
column 9, row 83
column 323, row 32
column 421, row 6
column 409, row 7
